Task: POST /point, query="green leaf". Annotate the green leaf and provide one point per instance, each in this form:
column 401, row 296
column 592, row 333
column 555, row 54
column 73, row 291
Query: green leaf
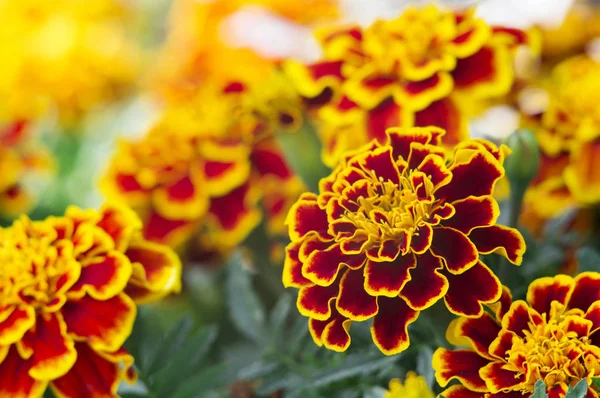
column 579, row 391
column 185, row 362
column 171, row 343
column 424, row 368
column 596, row 381
column 246, row 311
column 145, row 339
column 203, row 381
column 539, row 390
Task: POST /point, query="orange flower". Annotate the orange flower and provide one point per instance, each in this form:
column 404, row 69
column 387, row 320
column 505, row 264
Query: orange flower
column 206, row 165
column 68, row 292
column 19, row 159
column 396, row 227
column 410, row 71
column 551, row 337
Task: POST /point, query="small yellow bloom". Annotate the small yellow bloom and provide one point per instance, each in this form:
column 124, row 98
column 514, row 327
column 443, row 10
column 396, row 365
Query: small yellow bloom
column 414, row 387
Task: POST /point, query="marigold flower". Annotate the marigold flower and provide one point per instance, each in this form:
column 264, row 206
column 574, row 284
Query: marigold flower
column 68, row 292
column 206, row 166
column 396, row 227
column 20, row 158
column 551, row 336
column 65, row 56
column 409, row 71
column 414, row 387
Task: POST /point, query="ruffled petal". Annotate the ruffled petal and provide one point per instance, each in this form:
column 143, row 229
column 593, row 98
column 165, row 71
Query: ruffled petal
column 235, row 214
column 390, row 325
column 314, row 301
column 103, row 276
column 104, row 324
column 480, row 332
column 306, row 217
column 292, row 268
column 458, row 391
column 156, row 271
column 455, row 249
column 14, row 326
column 92, row 376
column 518, row 318
column 120, row 223
column 400, row 139
column 586, row 290
column 322, row 266
column 172, row 232
column 426, row 285
column 388, row 278
column 52, row 351
column 469, row 290
column 505, row 241
column 498, row 378
column 445, row 114
column 473, row 212
column 462, row 365
column 353, row 301
column 542, row 291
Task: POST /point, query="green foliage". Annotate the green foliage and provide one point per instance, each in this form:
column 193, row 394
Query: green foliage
column 539, row 390
column 579, row 391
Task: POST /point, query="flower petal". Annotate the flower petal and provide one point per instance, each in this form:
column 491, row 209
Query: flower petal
column 473, row 177
column 322, row 266
column 480, row 332
column 473, row 212
column 487, row 73
column 380, row 162
column 390, row 325
column 502, row 344
column 353, row 301
column 542, row 291
column 306, row 217
column 470, row 289
column 182, row 199
column 454, row 248
column 91, row 376
column 518, row 318
column 335, row 335
column 421, row 242
column 458, row 391
column 388, row 278
column 401, row 138
column 292, row 268
column 53, row 352
column 13, row 327
column 171, row 232
column 586, row 290
column 120, row 223
column 445, row 114
column 497, row 378
column 462, row 365
column 500, row 239
column 15, row 381
column 104, row 324
column 426, row 285
column 156, row 271
column 235, row 214
column 314, row 301
column 103, row 277
column 503, row 304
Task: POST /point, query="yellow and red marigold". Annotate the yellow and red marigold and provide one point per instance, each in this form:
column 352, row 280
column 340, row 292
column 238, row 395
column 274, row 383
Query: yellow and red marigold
column 396, row 227
column 568, row 132
column 68, row 292
column 553, row 336
column 20, row 157
column 413, row 387
column 410, row 71
column 206, row 166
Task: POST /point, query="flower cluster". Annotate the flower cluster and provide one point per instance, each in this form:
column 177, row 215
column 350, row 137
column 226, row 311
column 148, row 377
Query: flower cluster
column 206, row 165
column 568, row 132
column 20, row 158
column 551, row 337
column 64, row 55
column 396, row 227
column 419, row 69
column 68, row 292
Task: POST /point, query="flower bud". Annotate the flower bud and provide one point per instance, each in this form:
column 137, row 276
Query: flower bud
column 523, row 164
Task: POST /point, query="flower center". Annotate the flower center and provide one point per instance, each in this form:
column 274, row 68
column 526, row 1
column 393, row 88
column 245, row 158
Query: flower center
column 391, row 210
column 31, row 270
column 553, row 351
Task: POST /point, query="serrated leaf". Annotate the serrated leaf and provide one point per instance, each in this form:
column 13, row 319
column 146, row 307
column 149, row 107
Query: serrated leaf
column 202, row 381
column 579, row 391
column 424, row 368
column 185, row 362
column 246, row 311
column 539, row 390
column 280, row 313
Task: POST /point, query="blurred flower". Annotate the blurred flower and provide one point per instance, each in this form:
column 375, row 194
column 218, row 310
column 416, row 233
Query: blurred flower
column 396, row 227
column 206, row 165
column 568, row 131
column 423, row 68
column 20, row 158
column 551, row 337
column 68, row 292
column 65, row 56
column 414, row 387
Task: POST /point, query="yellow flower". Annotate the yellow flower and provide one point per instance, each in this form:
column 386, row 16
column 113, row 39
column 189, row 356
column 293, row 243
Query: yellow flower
column 63, row 55
column 414, row 387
